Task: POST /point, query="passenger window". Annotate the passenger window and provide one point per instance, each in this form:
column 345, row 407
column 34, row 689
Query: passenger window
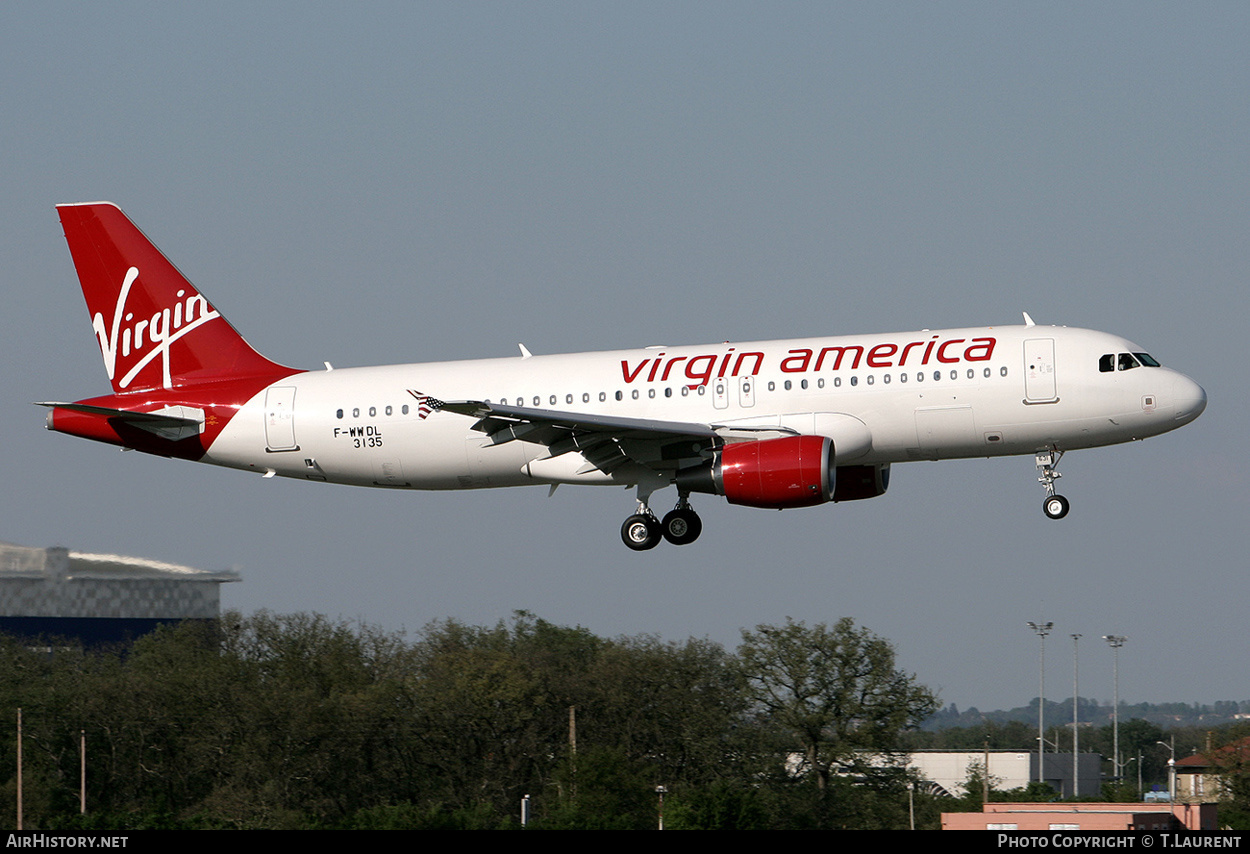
column 339, row 414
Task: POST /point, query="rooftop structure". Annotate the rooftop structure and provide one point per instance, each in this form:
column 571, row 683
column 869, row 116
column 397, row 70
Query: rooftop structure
column 1086, row 816
column 100, row 597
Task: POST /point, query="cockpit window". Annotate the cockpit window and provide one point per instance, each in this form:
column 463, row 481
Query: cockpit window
column 1126, row 362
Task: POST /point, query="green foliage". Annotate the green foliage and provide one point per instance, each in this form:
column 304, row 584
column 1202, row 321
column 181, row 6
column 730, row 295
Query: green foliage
column 723, row 805
column 1231, row 760
column 298, row 721
column 835, row 689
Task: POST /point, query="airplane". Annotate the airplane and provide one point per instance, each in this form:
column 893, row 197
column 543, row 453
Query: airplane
column 771, row 424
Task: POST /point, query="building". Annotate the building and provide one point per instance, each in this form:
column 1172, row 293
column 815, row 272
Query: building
column 1198, row 777
column 1009, row 769
column 1088, row 816
column 100, row 598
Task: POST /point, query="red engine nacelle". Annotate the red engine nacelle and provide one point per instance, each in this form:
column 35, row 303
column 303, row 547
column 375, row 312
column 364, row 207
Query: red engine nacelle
column 794, row 471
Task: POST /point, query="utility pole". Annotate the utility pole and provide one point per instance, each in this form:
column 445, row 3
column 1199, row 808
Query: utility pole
column 19, row 769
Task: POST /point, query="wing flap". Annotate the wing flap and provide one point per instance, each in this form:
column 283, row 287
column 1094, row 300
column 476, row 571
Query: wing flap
column 607, row 443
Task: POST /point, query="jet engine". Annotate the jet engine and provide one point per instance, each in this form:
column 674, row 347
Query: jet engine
column 793, row 471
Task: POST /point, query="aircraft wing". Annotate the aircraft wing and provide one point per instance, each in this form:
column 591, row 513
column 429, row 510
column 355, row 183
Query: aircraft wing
column 606, row 442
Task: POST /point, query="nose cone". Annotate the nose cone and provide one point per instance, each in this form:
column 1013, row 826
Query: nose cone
column 1188, row 399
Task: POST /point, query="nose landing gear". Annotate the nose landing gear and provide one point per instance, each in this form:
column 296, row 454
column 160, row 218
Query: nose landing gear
column 1055, row 506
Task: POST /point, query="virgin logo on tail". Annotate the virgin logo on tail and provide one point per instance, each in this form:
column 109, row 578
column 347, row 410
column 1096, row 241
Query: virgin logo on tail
column 158, row 332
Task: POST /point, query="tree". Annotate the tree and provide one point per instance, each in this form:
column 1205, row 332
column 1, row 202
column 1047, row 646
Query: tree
column 836, row 689
column 1232, row 763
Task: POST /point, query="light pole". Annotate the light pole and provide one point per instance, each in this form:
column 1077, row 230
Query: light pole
column 1042, row 630
column 1171, row 769
column 1116, row 642
column 1076, row 720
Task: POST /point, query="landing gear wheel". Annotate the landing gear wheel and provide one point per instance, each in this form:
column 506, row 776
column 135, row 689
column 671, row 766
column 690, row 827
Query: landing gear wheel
column 681, row 526
column 641, row 532
column 1055, row 506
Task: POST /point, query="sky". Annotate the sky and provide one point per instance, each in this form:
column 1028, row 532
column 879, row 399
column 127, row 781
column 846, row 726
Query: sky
column 375, row 183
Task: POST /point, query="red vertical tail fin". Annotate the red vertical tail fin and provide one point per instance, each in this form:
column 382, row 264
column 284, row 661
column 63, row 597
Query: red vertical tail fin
column 155, row 330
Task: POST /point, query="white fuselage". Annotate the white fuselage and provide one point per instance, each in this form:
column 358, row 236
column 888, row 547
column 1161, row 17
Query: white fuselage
column 882, row 399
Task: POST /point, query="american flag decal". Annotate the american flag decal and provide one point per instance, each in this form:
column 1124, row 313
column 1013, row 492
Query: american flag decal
column 425, row 404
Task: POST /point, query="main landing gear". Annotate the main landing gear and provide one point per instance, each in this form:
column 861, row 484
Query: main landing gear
column 680, row 526
column 1055, row 506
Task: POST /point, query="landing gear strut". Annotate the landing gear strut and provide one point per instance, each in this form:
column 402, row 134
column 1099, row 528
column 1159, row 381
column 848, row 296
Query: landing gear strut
column 1055, row 506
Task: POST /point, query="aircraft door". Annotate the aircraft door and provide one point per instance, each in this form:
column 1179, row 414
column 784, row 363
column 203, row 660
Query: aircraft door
column 280, row 419
column 1039, row 371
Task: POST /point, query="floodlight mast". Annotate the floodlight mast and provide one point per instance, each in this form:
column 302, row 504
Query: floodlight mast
column 1116, row 641
column 1042, row 630
column 1076, row 718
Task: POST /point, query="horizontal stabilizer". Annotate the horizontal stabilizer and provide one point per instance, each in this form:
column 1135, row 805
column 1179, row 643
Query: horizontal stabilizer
column 173, row 422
